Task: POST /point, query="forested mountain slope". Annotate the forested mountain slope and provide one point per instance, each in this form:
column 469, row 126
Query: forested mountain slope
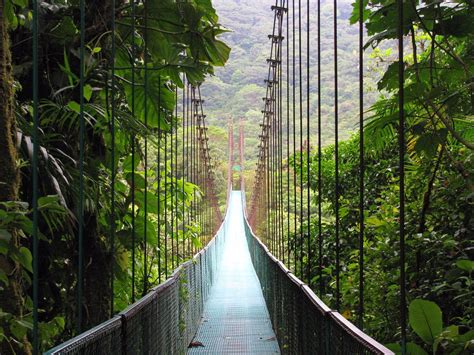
column 237, row 89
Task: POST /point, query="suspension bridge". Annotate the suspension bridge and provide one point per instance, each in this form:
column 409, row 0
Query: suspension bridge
column 208, row 281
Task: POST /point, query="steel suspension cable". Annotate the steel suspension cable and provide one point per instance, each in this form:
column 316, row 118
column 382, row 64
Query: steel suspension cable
column 198, row 165
column 80, row 217
column 171, row 182
column 35, row 177
column 268, row 200
column 288, row 207
column 361, row 167
column 187, row 161
column 113, row 170
column 183, row 163
column 273, row 161
column 308, row 143
column 166, row 203
column 133, row 138
column 295, row 236
column 280, row 146
column 193, row 153
column 300, row 84
column 336, row 157
column 158, row 188
column 280, row 135
column 402, row 149
column 145, row 197
column 320, row 233
column 175, row 188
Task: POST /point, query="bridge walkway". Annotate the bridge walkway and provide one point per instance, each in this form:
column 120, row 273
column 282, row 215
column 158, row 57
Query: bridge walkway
column 235, row 319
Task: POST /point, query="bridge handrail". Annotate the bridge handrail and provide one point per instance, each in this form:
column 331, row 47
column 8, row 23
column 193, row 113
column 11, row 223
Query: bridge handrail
column 326, row 330
column 163, row 321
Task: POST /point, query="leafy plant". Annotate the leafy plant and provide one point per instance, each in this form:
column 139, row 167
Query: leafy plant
column 178, row 40
column 425, row 318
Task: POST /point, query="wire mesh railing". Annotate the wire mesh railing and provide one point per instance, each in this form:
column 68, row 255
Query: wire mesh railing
column 165, row 320
column 303, row 324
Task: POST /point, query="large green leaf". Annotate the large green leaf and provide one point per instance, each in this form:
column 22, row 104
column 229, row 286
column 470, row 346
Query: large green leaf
column 65, row 30
column 412, row 349
column 205, row 6
column 466, row 265
column 23, row 257
column 356, row 13
column 151, row 201
column 426, row 319
column 218, row 51
column 152, row 103
column 5, row 235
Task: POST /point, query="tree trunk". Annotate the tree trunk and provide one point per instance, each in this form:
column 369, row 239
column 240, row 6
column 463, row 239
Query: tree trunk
column 97, row 275
column 11, row 295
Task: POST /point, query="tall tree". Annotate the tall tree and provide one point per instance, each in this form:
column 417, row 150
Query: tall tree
column 11, row 296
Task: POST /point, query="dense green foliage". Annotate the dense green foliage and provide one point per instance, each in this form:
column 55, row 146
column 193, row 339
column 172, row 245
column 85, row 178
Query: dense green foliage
column 174, row 40
column 439, row 106
column 433, row 253
column 180, row 39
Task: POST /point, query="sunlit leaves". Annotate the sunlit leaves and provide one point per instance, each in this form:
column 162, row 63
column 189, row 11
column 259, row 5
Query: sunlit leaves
column 466, row 265
column 355, row 17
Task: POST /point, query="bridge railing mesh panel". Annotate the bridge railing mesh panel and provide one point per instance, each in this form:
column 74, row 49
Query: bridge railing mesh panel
column 164, row 321
column 303, row 324
column 105, row 338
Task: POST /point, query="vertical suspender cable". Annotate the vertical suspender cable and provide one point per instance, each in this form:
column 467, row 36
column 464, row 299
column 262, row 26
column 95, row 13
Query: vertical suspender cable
column 196, row 157
column 193, row 158
column 280, row 138
column 361, row 165
column 276, row 139
column 320, row 224
column 271, row 82
column 288, row 134
column 173, row 178
column 273, row 139
column 190, row 154
column 275, row 155
column 183, row 167
column 112, row 167
column 158, row 171
column 336, row 157
column 300, row 78
column 295, row 254
column 173, row 138
column 35, row 180
column 275, row 152
column 176, row 208
column 133, row 151
column 80, row 217
column 187, row 161
column 166, row 204
column 145, row 197
column 198, row 163
column 401, row 146
column 267, row 150
column 280, row 133
column 267, row 168
column 308, row 150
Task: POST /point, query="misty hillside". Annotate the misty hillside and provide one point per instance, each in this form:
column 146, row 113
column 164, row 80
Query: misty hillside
column 237, row 90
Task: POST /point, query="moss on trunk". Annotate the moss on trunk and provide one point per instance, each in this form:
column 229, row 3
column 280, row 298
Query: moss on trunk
column 11, row 296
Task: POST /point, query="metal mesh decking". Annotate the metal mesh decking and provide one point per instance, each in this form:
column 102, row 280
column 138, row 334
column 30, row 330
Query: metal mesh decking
column 236, row 318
